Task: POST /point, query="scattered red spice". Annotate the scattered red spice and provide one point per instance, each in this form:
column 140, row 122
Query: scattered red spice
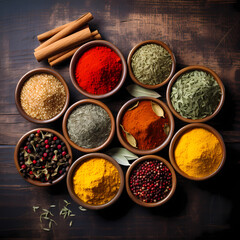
column 98, row 70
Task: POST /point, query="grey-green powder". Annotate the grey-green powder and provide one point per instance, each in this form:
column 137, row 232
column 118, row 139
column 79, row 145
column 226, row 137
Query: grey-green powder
column 195, row 94
column 89, row 126
column 151, row 64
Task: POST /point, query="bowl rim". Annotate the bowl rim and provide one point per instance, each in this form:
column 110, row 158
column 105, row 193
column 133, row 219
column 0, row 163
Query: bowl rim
column 23, row 138
column 73, row 107
column 180, row 133
column 145, row 158
column 188, row 69
column 78, row 54
column 122, row 139
column 72, row 170
column 135, row 48
column 20, row 84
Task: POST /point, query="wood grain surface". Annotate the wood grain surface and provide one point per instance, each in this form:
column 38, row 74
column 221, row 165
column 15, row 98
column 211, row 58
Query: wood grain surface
column 203, row 32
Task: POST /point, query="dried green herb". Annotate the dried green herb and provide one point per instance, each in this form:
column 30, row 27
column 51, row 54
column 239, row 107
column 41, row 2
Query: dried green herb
column 131, row 108
column 82, row 209
column 137, row 91
column 131, row 140
column 89, row 126
column 122, row 155
column 151, row 64
column 157, row 109
column 195, row 94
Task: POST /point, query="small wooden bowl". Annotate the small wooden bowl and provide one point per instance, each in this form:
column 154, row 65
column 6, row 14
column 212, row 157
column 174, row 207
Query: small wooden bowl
column 180, row 133
column 78, row 54
column 188, row 69
column 19, row 145
column 122, row 139
column 25, row 78
column 76, row 165
column 129, row 60
column 132, row 167
column 73, row 107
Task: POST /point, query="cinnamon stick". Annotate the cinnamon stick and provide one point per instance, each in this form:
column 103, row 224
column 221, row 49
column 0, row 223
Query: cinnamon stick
column 67, row 54
column 72, row 27
column 94, row 33
column 44, row 36
column 63, row 44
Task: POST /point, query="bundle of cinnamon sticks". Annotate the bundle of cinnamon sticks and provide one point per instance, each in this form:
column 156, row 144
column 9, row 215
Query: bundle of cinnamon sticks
column 62, row 42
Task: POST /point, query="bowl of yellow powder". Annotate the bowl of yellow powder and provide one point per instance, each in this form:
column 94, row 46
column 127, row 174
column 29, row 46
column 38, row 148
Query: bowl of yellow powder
column 42, row 95
column 95, row 181
column 197, row 151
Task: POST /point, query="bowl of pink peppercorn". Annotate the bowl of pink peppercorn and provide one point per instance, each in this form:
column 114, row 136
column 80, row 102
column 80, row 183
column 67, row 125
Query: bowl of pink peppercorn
column 150, row 181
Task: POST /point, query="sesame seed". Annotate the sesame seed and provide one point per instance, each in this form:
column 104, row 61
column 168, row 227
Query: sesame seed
column 42, row 96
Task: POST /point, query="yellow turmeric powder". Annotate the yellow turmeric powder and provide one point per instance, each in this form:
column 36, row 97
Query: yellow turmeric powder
column 96, row 181
column 198, row 153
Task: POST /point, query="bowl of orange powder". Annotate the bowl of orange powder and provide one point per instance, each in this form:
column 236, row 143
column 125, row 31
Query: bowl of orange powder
column 145, row 125
column 98, row 69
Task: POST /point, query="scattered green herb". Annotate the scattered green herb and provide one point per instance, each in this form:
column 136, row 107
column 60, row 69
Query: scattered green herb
column 137, row 91
column 195, row 94
column 82, row 208
column 46, row 215
column 35, row 208
column 151, row 64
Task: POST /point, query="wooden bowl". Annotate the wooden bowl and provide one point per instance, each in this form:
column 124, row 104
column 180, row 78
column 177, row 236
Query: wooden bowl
column 20, row 144
column 180, row 133
column 76, row 165
column 129, row 60
column 72, row 108
column 188, row 69
column 122, row 139
column 25, row 78
column 132, row 167
column 79, row 53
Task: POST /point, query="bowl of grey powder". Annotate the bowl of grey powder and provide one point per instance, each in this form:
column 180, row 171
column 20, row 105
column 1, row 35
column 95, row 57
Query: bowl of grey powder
column 88, row 125
column 195, row 94
column 42, row 95
column 151, row 64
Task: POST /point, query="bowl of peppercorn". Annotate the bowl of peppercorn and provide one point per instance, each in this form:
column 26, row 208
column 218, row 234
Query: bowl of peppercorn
column 150, row 181
column 42, row 157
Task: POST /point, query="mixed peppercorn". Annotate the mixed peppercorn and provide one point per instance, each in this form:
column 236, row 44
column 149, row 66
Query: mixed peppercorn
column 43, row 157
column 151, row 181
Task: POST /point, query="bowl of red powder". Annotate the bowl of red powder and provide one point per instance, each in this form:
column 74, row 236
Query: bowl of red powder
column 145, row 125
column 98, row 69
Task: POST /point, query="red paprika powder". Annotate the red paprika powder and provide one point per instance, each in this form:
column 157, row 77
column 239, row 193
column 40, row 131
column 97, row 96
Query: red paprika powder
column 98, row 70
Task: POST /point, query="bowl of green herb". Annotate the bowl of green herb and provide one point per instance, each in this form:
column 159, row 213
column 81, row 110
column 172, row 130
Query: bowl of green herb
column 43, row 156
column 195, row 94
column 88, row 125
column 151, row 64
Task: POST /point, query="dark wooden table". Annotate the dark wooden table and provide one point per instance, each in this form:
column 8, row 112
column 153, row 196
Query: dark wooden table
column 199, row 33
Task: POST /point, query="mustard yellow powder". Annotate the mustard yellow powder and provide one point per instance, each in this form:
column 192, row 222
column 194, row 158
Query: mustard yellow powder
column 96, row 181
column 198, row 153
